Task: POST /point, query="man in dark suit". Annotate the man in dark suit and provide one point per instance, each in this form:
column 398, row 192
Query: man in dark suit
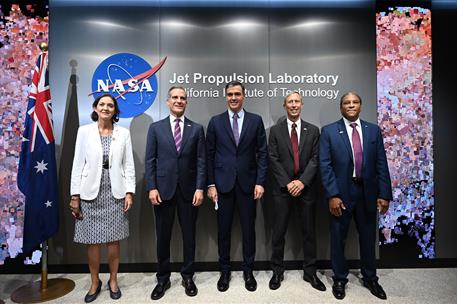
column 293, row 148
column 175, row 179
column 356, row 181
column 237, row 168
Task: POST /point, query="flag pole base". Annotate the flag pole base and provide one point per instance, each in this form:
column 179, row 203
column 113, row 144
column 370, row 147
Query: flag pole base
column 33, row 292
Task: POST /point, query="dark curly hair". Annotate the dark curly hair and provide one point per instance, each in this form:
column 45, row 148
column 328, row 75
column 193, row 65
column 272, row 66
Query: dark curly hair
column 115, row 117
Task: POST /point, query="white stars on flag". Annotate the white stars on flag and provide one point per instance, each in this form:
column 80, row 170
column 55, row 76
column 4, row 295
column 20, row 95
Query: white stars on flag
column 40, row 166
column 48, row 204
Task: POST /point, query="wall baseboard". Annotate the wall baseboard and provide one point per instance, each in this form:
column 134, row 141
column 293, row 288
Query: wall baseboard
column 13, row 267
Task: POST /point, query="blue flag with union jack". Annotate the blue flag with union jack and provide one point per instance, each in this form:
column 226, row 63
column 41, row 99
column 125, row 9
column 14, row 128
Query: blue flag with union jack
column 37, row 173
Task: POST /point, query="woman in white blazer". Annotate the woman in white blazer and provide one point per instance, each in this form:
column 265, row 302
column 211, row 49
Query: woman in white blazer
column 102, row 188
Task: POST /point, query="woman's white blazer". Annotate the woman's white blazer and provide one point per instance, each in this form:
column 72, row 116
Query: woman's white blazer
column 88, row 160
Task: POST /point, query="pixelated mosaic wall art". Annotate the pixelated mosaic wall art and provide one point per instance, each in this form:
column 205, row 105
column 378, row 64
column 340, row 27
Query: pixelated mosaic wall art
column 22, row 29
column 404, row 114
column 404, row 77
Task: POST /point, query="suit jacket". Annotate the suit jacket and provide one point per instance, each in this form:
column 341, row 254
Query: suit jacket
column 337, row 164
column 227, row 162
column 282, row 159
column 165, row 168
column 86, row 172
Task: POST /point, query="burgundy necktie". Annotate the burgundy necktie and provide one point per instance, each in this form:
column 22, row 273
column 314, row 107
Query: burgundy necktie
column 357, row 146
column 294, row 142
column 236, row 133
column 177, row 135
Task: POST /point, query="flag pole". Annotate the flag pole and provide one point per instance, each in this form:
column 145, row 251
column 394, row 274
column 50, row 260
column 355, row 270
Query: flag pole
column 43, row 290
column 44, row 265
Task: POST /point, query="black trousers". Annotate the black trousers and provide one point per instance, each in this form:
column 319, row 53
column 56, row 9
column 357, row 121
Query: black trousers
column 366, row 228
column 283, row 205
column 165, row 216
column 247, row 209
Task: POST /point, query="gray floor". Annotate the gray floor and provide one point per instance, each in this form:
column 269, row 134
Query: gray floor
column 403, row 286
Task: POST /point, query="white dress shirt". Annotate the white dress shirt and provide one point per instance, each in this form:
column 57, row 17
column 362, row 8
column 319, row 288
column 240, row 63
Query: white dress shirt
column 173, row 124
column 240, row 119
column 297, row 128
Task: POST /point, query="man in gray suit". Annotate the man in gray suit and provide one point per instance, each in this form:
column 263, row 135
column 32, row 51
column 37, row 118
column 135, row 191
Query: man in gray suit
column 293, row 151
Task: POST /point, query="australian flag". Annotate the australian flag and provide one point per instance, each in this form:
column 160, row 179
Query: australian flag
column 37, row 174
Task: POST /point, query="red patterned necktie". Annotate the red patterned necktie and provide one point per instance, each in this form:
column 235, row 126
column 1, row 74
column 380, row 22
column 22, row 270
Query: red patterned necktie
column 357, row 146
column 294, row 142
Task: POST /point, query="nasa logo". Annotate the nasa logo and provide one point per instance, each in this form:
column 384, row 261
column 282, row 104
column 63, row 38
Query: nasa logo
column 130, row 79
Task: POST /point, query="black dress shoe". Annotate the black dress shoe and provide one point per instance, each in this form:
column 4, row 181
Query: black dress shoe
column 375, row 289
column 249, row 281
column 160, row 289
column 275, row 281
column 338, row 290
column 314, row 281
column 115, row 295
column 224, row 281
column 189, row 286
column 91, row 297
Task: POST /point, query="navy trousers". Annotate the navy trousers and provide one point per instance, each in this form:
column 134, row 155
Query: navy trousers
column 165, row 216
column 366, row 228
column 247, row 210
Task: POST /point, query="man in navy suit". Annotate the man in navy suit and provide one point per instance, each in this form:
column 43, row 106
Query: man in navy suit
column 293, row 149
column 175, row 178
column 356, row 182
column 237, row 168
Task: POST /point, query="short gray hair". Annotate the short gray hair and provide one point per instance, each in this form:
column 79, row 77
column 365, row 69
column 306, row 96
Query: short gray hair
column 293, row 92
column 176, row 87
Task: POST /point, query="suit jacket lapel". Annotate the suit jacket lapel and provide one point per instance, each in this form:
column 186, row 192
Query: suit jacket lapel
column 113, row 142
column 187, row 129
column 95, row 134
column 228, row 127
column 244, row 127
column 345, row 137
column 303, row 134
column 284, row 131
column 167, row 132
column 364, row 127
